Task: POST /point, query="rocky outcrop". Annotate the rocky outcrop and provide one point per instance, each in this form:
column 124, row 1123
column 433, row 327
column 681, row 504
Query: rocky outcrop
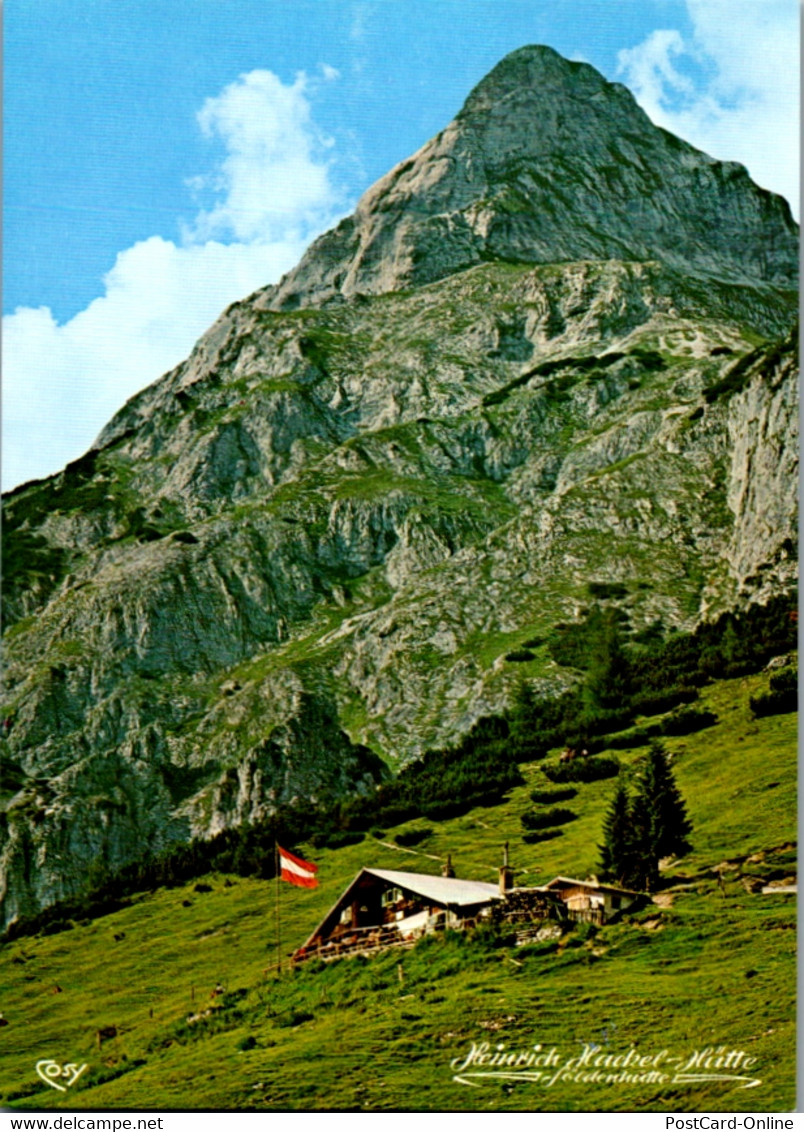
column 309, row 548
column 68, row 825
column 762, row 488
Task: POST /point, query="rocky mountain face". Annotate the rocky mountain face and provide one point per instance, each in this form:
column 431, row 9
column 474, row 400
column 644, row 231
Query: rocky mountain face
column 554, row 348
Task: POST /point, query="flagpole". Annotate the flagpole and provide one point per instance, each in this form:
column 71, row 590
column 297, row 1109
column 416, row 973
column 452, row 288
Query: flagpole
column 278, row 879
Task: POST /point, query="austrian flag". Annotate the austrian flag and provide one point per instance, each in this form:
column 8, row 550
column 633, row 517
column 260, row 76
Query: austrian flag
column 297, row 871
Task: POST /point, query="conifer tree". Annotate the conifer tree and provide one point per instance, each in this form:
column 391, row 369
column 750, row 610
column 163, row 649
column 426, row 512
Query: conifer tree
column 644, row 874
column 617, row 850
column 524, row 714
column 667, row 825
column 639, row 831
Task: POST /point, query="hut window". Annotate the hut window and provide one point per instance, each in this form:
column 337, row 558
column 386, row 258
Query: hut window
column 391, row 896
column 615, row 902
column 346, row 916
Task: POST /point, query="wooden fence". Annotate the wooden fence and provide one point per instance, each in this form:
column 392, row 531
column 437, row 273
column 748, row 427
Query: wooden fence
column 357, row 941
column 587, row 915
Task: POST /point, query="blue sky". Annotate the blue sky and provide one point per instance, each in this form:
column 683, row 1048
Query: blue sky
column 165, row 157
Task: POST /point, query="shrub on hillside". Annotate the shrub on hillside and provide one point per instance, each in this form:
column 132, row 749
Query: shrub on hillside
column 733, row 645
column 56, row 926
column 596, row 722
column 582, row 741
column 634, row 737
column 658, row 669
column 408, row 838
column 687, row 722
column 336, row 838
column 656, row 703
column 582, row 770
column 595, row 645
column 394, row 813
column 537, row 835
column 445, row 783
column 529, row 750
column 553, row 795
column 441, row 809
column 735, row 378
column 652, row 634
column 544, row 819
column 786, row 680
column 782, row 696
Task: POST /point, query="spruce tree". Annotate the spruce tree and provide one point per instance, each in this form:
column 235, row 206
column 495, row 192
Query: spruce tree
column 644, row 874
column 667, row 825
column 617, row 851
column 658, row 822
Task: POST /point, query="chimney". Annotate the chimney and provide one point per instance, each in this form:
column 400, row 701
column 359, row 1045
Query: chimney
column 506, row 873
column 447, row 869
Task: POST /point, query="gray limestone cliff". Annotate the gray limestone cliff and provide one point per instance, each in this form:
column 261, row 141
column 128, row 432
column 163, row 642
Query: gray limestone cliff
column 554, row 347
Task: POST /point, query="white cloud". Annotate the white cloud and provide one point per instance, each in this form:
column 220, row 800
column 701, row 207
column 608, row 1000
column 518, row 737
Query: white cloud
column 651, row 71
column 731, row 89
column 275, row 179
column 62, row 383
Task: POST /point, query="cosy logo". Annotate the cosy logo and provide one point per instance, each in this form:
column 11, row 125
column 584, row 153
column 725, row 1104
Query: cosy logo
column 52, row 1073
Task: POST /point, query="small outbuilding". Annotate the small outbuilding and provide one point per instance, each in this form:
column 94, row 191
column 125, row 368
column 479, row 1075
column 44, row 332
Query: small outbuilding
column 589, row 899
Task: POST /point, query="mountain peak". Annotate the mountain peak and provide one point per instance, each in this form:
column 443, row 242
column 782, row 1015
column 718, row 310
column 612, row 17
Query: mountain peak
column 532, row 67
column 546, row 162
column 539, row 74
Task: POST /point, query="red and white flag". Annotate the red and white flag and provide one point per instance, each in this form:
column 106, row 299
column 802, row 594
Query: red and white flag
column 297, row 871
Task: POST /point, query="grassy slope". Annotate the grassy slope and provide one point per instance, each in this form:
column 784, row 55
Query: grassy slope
column 709, row 970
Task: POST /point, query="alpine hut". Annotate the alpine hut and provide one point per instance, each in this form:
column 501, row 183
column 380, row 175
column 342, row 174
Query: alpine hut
column 384, row 908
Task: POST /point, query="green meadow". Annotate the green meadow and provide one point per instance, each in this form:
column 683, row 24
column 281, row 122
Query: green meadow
column 709, row 966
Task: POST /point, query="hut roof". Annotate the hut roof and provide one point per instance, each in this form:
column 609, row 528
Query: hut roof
column 441, row 890
column 595, row 885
